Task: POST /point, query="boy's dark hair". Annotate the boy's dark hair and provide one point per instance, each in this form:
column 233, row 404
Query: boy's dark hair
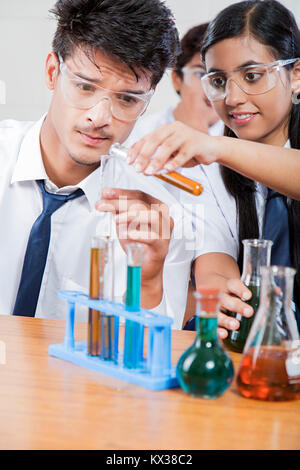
column 140, row 33
column 191, row 44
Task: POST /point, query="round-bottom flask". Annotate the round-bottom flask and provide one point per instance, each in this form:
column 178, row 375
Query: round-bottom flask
column 205, row 369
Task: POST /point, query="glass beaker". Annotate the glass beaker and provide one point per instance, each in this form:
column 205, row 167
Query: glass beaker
column 205, row 369
column 257, row 253
column 270, row 366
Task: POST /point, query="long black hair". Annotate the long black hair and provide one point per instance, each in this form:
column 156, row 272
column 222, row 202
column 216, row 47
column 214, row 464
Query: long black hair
column 273, row 25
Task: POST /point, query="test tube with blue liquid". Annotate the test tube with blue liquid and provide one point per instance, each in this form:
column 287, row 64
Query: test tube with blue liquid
column 134, row 332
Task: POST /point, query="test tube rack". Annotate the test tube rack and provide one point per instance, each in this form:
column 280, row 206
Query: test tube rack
column 155, row 371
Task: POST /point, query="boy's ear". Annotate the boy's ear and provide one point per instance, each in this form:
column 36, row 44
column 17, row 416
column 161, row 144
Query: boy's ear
column 51, row 70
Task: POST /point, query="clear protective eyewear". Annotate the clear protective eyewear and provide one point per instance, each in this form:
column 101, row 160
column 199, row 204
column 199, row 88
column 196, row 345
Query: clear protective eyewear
column 252, row 79
column 84, row 94
column 193, row 75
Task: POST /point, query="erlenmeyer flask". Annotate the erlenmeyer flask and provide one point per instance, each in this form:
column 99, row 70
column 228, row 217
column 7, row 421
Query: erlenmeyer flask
column 270, row 366
column 205, row 369
column 257, row 253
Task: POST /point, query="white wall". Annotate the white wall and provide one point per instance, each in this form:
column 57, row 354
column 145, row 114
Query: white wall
column 26, row 31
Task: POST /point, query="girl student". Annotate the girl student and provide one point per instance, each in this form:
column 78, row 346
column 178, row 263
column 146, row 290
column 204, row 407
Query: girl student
column 252, row 58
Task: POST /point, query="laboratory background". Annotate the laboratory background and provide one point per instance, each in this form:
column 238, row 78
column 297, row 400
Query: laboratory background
column 26, row 29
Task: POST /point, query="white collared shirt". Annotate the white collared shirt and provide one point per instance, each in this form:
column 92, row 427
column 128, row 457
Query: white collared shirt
column 72, row 227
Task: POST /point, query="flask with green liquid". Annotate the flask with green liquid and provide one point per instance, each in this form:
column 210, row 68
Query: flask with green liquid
column 257, row 253
column 205, row 370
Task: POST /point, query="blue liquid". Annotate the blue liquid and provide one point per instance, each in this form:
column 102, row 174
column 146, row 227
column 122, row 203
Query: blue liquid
column 134, row 332
column 205, row 370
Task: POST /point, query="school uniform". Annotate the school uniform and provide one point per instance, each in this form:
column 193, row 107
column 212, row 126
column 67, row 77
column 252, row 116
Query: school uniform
column 72, row 227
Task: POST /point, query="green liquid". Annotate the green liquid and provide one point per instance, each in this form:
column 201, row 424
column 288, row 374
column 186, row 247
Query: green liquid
column 236, row 339
column 205, row 370
column 133, row 330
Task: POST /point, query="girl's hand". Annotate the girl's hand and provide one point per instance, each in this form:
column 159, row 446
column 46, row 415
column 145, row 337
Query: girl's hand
column 233, row 301
column 174, row 145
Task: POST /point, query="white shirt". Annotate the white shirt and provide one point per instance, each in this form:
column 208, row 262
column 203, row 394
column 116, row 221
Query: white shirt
column 72, row 227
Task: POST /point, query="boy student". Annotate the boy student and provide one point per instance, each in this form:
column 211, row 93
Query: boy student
column 106, row 60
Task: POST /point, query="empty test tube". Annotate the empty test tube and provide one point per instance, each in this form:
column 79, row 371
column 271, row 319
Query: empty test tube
column 134, row 332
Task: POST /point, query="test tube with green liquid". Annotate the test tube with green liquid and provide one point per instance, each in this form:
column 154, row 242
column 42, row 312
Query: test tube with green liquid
column 134, row 332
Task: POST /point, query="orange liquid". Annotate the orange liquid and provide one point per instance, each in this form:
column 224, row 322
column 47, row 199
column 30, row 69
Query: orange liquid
column 94, row 315
column 272, row 375
column 182, row 182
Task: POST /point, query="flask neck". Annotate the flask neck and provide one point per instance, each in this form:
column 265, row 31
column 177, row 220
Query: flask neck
column 206, row 330
column 257, row 253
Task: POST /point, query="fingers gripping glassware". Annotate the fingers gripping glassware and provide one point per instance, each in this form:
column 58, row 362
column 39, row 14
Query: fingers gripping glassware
column 257, row 253
column 253, row 79
column 84, row 94
column 176, row 179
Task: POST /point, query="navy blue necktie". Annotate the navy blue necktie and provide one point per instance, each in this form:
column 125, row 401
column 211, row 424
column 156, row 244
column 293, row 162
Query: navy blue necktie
column 36, row 253
column 277, row 228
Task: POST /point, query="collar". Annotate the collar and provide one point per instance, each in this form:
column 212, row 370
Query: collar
column 30, row 167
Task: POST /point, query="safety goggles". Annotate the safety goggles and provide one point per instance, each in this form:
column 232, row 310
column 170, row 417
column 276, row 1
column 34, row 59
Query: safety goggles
column 192, row 75
column 252, row 79
column 84, row 94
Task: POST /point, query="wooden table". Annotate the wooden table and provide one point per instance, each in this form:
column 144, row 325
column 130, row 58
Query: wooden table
column 46, row 403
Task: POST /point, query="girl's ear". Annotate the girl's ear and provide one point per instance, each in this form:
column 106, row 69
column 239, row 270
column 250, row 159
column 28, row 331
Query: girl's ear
column 295, row 82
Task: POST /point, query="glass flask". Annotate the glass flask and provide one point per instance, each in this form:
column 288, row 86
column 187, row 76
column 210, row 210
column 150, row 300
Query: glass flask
column 205, row 369
column 270, row 366
column 257, row 253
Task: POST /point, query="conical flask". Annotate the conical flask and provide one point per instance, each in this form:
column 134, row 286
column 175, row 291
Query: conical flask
column 257, row 253
column 270, row 366
column 205, row 369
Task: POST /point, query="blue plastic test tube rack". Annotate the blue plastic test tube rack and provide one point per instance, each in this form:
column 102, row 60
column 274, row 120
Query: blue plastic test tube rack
column 154, row 372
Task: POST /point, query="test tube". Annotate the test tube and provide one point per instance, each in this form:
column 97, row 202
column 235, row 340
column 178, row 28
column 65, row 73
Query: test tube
column 109, row 324
column 174, row 178
column 94, row 315
column 134, row 332
column 102, row 328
